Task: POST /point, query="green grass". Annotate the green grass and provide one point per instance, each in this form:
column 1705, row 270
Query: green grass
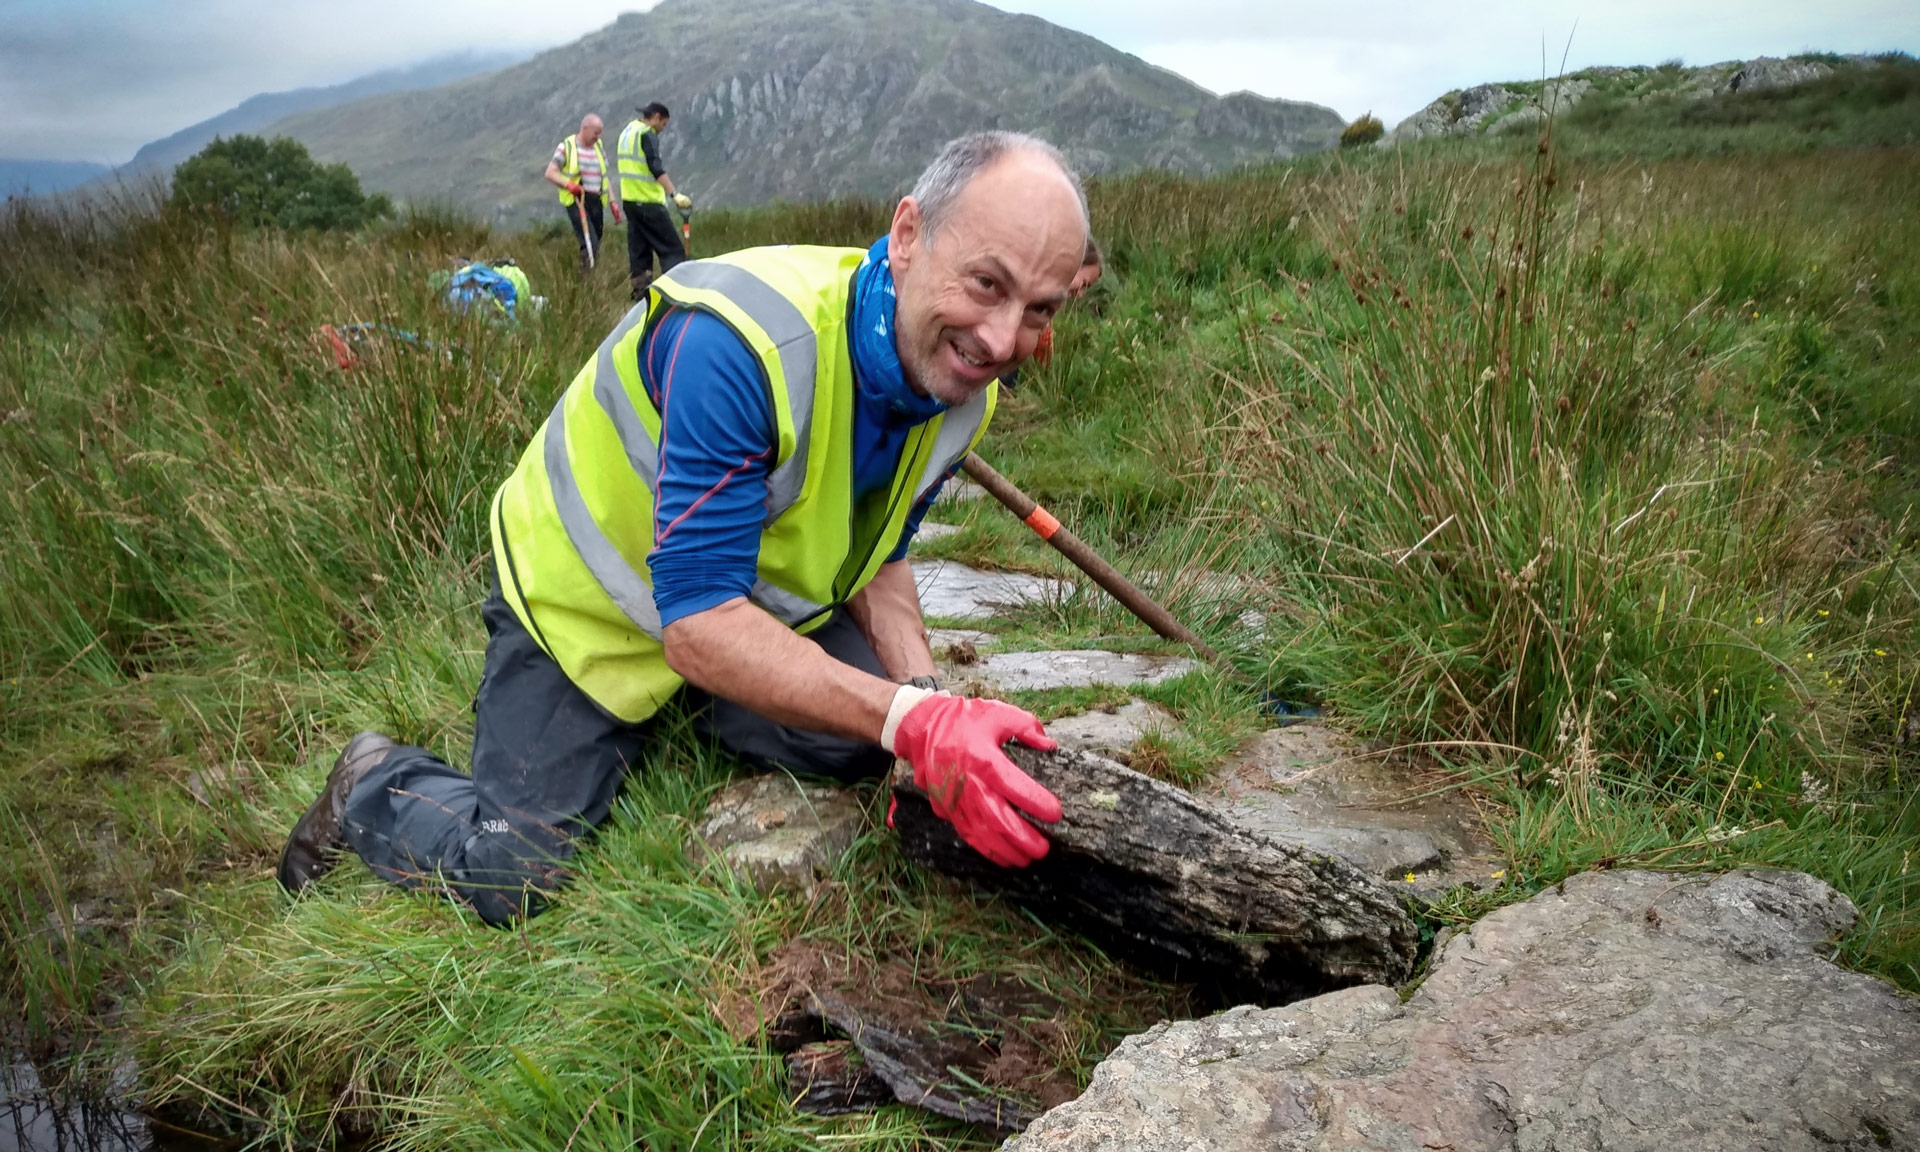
column 1593, row 476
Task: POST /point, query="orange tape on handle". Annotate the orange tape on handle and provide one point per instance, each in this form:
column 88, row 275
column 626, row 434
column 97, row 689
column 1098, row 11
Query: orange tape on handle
column 1042, row 522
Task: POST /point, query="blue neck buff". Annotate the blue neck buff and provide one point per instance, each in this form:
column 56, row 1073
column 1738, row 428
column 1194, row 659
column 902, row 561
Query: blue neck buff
column 877, row 371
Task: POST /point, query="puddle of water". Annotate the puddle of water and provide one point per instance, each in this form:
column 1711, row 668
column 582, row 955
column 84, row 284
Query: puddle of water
column 36, row 1117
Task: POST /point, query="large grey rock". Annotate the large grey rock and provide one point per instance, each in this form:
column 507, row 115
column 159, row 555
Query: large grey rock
column 1620, row 1011
column 1309, row 784
column 953, row 590
column 1075, row 668
column 1768, row 72
column 1112, row 733
column 1156, row 877
column 778, row 832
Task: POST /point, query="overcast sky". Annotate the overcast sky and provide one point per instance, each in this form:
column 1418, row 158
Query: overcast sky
column 95, row 79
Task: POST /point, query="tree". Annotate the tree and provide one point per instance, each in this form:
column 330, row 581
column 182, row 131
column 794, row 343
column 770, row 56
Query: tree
column 273, row 183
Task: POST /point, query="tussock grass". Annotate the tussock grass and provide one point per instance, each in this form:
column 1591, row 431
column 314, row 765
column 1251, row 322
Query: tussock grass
column 1591, row 478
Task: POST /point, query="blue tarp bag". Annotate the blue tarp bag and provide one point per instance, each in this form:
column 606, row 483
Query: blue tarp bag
column 494, row 289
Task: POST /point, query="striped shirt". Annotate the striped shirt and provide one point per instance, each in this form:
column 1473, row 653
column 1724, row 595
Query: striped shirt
column 590, row 174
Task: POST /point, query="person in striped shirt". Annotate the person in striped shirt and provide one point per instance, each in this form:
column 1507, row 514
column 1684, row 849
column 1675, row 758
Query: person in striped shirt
column 579, row 169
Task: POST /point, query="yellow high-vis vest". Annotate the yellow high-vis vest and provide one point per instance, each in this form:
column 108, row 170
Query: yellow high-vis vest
column 570, row 168
column 638, row 184
column 573, row 525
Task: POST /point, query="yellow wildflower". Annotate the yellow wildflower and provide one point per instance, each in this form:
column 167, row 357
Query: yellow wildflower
column 1719, row 755
column 1409, row 877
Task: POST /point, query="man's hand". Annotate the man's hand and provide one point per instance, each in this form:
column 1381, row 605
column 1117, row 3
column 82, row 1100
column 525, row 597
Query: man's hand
column 615, row 205
column 682, row 201
column 573, row 186
column 953, row 743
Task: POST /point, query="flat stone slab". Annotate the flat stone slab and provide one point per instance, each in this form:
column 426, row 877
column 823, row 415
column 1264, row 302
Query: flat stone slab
column 1618, row 1011
column 778, row 832
column 1113, row 733
column 940, row 639
column 931, row 531
column 955, row 591
column 1075, row 668
column 1157, row 878
column 1308, row 784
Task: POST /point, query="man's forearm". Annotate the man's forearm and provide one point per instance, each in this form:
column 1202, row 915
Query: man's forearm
column 666, row 182
column 888, row 612
column 554, row 176
column 738, row 652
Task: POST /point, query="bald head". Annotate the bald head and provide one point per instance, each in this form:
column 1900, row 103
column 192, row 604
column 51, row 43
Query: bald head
column 983, row 253
column 590, row 128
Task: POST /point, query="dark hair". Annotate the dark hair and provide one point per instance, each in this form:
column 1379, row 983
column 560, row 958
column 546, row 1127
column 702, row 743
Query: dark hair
column 655, row 109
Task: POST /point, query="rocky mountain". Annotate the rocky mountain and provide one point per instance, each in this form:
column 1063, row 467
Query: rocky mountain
column 803, row 99
column 257, row 112
column 1516, row 106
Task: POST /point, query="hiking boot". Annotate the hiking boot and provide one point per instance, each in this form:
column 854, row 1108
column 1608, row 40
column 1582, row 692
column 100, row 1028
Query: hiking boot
column 313, row 847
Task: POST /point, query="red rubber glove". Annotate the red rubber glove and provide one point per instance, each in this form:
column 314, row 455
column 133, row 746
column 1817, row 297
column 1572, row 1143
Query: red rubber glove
column 953, row 743
column 573, row 186
column 615, row 205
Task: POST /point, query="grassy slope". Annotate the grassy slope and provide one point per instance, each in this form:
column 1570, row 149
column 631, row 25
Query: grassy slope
column 1648, row 424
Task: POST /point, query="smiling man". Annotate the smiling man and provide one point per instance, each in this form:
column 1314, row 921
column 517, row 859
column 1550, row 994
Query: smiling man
column 720, row 505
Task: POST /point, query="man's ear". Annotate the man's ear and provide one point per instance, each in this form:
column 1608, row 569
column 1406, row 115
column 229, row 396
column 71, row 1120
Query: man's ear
column 906, row 235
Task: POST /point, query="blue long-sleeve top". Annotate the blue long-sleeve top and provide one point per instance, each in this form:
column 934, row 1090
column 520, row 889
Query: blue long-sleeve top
column 718, row 439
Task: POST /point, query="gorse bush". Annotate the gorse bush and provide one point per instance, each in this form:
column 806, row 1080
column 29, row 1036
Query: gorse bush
column 1365, row 130
column 273, row 183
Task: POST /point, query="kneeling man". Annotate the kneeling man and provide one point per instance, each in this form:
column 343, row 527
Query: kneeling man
column 720, row 504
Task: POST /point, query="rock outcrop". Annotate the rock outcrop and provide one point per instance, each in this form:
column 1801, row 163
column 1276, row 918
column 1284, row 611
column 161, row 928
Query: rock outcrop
column 1160, row 879
column 1512, row 106
column 1625, row 1011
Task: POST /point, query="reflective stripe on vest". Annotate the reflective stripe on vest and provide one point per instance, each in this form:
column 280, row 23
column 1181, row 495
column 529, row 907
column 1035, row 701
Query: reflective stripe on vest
column 638, row 184
column 575, row 523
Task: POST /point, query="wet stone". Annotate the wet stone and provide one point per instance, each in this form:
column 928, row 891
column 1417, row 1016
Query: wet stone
column 931, row 531
column 778, row 832
column 1112, row 733
column 1308, row 784
column 1076, row 668
column 957, row 592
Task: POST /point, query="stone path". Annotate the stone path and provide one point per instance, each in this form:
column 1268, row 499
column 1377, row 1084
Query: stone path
column 957, row 592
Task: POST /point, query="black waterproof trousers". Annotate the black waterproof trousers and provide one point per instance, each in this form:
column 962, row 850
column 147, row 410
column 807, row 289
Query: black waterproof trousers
column 595, row 223
column 547, row 762
column 650, row 233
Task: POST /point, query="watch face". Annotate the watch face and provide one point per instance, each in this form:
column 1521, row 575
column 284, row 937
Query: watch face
column 930, row 683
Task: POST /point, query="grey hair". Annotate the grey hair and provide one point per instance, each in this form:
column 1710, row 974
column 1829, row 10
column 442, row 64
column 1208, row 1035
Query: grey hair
column 966, row 157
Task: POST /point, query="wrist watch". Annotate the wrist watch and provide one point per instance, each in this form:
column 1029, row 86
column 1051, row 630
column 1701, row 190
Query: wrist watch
column 930, row 683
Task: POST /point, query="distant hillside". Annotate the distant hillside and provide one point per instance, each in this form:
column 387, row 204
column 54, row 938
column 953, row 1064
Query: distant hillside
column 39, row 177
column 803, row 99
column 257, row 112
column 1814, row 94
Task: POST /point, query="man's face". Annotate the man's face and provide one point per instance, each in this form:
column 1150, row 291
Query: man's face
column 657, row 123
column 974, row 298
column 589, row 130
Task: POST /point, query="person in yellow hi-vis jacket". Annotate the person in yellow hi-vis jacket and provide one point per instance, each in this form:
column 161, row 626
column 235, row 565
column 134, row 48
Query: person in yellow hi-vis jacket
column 645, row 189
column 715, row 515
column 579, row 169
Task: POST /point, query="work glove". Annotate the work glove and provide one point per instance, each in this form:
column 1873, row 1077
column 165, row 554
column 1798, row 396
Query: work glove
column 615, row 205
column 953, row 743
column 682, row 201
column 573, row 186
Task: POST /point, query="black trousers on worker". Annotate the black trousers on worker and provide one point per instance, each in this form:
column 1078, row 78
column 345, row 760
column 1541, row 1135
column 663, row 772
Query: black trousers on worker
column 595, row 221
column 650, row 233
column 547, row 763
